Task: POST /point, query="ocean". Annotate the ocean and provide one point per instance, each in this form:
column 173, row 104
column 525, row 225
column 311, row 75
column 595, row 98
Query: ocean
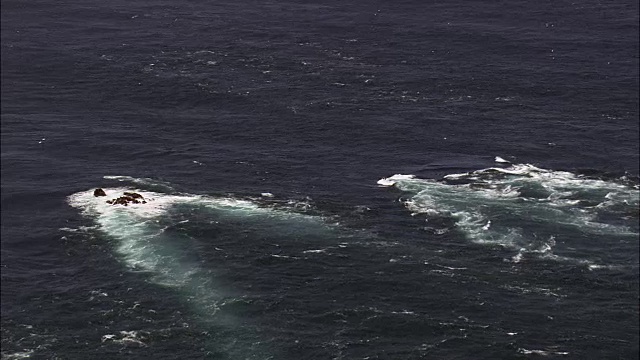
column 320, row 180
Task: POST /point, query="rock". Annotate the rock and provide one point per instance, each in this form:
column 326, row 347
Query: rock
column 99, row 192
column 128, row 198
column 133, row 195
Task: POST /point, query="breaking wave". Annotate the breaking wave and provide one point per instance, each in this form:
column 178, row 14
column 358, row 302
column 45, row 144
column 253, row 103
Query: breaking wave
column 554, row 215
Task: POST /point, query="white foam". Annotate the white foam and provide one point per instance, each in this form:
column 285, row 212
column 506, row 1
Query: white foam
column 91, row 205
column 136, row 231
column 498, row 159
column 18, row 355
column 392, row 180
column 486, row 227
column 542, row 352
column 283, row 256
column 125, row 338
column 108, row 337
column 404, row 312
column 594, row 267
column 507, row 206
column 314, row 251
column 142, row 242
column 138, row 181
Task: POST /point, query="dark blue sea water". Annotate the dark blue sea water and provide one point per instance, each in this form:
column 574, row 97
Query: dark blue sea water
column 323, row 180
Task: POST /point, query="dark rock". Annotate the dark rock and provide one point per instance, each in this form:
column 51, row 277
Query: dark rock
column 99, row 192
column 128, row 198
column 133, row 195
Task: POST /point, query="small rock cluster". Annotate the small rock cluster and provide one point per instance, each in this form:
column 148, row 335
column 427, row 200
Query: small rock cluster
column 126, row 199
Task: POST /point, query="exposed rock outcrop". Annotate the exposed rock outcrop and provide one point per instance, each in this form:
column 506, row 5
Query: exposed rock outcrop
column 128, row 198
column 99, row 192
column 133, row 195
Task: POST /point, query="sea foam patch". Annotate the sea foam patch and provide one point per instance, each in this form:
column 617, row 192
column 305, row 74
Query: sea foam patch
column 140, row 228
column 533, row 211
column 175, row 239
column 140, row 239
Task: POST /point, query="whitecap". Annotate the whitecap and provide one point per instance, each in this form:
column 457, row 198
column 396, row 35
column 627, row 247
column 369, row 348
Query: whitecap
column 314, row 251
column 392, row 180
column 126, row 338
column 18, row 355
column 542, row 352
column 519, row 206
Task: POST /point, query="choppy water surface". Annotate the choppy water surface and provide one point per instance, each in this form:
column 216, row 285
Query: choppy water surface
column 264, row 138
